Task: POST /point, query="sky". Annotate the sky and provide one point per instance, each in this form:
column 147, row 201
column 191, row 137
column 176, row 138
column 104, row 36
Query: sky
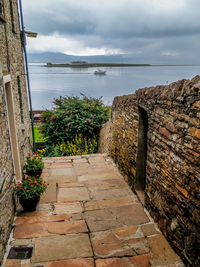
column 150, row 31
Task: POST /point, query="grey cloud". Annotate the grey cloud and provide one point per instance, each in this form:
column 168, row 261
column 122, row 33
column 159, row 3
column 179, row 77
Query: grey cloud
column 141, row 27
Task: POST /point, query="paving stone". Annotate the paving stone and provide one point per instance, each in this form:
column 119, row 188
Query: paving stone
column 38, row 219
column 106, row 244
column 29, row 231
column 62, row 228
column 126, row 232
column 77, row 216
column 107, row 184
column 88, row 169
column 100, row 220
column 115, row 217
column 140, row 261
column 26, row 265
column 80, row 160
column 44, row 206
column 139, row 245
column 33, row 213
column 46, row 229
column 65, row 185
column 72, row 263
column 163, row 255
column 113, row 262
column 60, row 165
column 67, row 247
column 50, row 195
column 72, row 194
column 62, row 208
column 109, row 194
column 21, row 242
column 109, row 203
column 12, row 263
column 104, row 175
column 149, row 229
column 97, row 159
column 62, row 179
column 81, row 166
column 62, row 172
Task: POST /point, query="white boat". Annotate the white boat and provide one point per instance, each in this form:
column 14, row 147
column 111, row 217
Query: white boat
column 100, row 72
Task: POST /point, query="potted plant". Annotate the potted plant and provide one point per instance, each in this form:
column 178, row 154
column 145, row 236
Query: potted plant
column 29, row 191
column 34, row 164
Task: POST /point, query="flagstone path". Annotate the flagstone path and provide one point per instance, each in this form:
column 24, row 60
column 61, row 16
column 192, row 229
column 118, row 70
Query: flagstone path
column 89, row 217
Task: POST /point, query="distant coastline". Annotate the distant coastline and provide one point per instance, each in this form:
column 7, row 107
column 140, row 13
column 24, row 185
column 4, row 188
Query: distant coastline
column 93, row 65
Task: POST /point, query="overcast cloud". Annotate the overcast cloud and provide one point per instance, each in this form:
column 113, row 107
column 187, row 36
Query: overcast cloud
column 153, row 31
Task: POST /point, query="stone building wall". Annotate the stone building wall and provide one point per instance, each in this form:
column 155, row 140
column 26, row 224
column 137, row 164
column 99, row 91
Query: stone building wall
column 170, row 116
column 11, row 68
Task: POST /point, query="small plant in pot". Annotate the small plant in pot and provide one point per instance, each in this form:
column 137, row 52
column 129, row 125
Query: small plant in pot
column 29, row 191
column 34, row 164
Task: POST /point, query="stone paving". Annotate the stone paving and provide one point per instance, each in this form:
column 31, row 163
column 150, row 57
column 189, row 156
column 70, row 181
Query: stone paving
column 89, row 217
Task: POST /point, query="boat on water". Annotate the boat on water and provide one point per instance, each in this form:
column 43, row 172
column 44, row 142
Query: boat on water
column 100, row 72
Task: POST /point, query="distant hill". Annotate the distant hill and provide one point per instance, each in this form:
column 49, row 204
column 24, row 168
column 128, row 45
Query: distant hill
column 63, row 58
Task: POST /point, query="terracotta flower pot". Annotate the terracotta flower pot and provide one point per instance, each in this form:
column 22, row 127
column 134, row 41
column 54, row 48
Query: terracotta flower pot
column 29, row 204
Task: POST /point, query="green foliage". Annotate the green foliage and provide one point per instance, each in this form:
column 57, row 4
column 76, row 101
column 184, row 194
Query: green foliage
column 33, row 162
column 78, row 146
column 30, row 187
column 73, row 116
column 38, row 135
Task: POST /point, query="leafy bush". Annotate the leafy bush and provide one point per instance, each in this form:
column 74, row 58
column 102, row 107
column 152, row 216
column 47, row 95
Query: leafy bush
column 73, row 116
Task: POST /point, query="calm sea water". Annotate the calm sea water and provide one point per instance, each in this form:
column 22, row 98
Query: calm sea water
column 50, row 83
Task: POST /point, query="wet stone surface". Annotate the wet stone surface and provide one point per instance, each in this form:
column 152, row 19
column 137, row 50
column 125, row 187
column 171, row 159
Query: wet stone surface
column 89, row 217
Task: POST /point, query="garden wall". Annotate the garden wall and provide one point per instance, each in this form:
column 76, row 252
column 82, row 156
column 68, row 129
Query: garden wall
column 163, row 157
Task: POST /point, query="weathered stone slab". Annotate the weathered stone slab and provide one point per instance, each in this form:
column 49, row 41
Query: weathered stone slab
column 12, row 263
column 106, row 244
column 104, row 175
column 107, row 184
column 112, row 262
column 109, row 194
column 65, row 185
column 47, row 229
column 72, row 194
column 50, row 194
column 88, row 169
column 38, row 219
column 140, row 261
column 61, row 172
column 149, row 229
column 62, row 179
column 62, row 228
column 99, row 220
column 71, row 263
column 62, row 208
column 67, row 247
column 163, row 255
column 110, row 203
column 115, row 217
column 60, row 165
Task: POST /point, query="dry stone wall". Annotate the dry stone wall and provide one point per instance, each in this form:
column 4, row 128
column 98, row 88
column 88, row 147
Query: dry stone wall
column 172, row 160
column 11, row 63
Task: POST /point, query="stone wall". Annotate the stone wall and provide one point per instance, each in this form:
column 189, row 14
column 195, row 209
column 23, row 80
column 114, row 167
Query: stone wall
column 12, row 66
column 170, row 116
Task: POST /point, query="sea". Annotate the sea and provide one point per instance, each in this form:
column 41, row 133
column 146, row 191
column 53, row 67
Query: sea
column 48, row 84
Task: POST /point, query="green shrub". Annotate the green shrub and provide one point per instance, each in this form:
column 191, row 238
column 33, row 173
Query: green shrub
column 73, row 116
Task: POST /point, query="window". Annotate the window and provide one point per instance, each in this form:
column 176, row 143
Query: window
column 20, row 99
column 12, row 17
